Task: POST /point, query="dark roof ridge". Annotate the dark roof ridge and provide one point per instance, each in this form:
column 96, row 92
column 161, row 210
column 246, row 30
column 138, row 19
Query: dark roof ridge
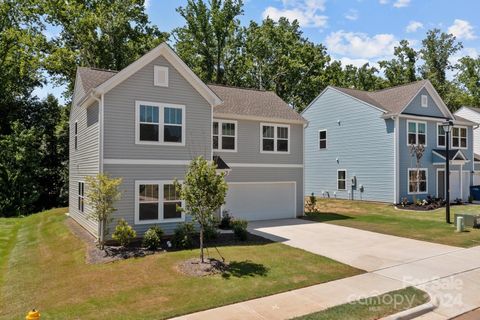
column 236, row 87
column 99, row 69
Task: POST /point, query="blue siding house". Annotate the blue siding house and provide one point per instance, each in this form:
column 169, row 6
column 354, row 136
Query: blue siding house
column 358, row 145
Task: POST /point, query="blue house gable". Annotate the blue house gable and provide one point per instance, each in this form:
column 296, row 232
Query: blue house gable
column 360, row 145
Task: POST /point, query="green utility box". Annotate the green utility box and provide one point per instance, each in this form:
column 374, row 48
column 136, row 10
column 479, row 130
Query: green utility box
column 470, row 220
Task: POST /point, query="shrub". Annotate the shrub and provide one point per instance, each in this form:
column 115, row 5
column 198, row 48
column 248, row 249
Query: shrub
column 226, row 222
column 183, row 235
column 210, row 232
column 123, row 233
column 153, row 238
column 240, row 229
column 312, row 203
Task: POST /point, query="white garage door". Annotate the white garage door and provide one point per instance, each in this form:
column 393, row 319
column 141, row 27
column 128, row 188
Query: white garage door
column 261, row 201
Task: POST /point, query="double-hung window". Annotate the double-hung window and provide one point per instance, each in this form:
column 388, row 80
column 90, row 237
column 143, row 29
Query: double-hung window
column 157, row 201
column 459, row 137
column 417, row 181
column 417, row 132
column 81, row 196
column 342, row 179
column 224, row 135
column 75, row 134
column 159, row 123
column 441, row 138
column 322, row 139
column 275, row 138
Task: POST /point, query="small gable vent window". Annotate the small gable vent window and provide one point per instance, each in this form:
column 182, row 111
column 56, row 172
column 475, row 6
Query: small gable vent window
column 160, row 76
column 424, row 100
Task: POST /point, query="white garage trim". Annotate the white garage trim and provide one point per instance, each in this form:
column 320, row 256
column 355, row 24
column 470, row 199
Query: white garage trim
column 269, row 182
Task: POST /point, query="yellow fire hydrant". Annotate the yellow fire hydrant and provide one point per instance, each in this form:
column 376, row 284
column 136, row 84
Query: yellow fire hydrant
column 33, row 315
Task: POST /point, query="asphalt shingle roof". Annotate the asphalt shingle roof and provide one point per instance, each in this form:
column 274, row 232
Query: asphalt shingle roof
column 92, row 77
column 252, row 102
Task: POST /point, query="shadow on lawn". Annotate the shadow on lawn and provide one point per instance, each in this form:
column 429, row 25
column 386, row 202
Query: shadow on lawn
column 247, row 268
column 325, row 216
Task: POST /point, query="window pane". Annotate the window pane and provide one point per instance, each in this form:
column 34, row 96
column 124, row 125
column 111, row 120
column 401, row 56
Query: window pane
column 421, row 138
column 148, row 114
column 228, row 129
column 455, row 131
column 169, row 192
column 282, row 145
column 282, row 133
column 228, row 143
column 148, row 132
column 463, row 132
column 172, row 133
column 455, row 142
column 422, row 187
column 267, row 144
column 412, row 138
column 215, row 128
column 323, row 144
column 422, row 175
column 441, row 140
column 268, row 131
column 148, row 192
column 341, row 175
column 322, row 135
column 463, row 143
column 170, row 210
column 412, row 127
column 172, row 115
column 215, row 142
column 440, row 130
column 148, row 211
column 421, row 128
column 341, row 185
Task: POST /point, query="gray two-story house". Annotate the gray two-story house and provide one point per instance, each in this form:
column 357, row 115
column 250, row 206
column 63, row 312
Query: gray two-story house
column 358, row 145
column 145, row 124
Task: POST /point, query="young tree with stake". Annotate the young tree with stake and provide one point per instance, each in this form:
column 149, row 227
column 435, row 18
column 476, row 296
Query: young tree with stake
column 203, row 191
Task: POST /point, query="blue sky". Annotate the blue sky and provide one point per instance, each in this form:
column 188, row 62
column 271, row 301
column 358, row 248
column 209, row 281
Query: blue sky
column 354, row 31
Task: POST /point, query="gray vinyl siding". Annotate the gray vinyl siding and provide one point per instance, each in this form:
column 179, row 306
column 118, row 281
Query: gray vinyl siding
column 271, row 175
column 249, row 142
column 85, row 160
column 406, row 161
column 358, row 140
column 126, row 205
column 415, row 106
column 119, row 113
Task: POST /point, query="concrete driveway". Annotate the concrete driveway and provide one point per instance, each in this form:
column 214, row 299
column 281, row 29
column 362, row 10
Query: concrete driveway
column 365, row 250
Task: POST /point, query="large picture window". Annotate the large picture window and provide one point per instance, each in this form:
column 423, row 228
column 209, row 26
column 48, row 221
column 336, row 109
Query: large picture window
column 275, row 138
column 157, row 201
column 160, row 123
column 459, row 137
column 224, row 135
column 417, row 181
column 417, row 133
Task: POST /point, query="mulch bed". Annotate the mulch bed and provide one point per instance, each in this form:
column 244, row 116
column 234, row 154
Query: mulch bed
column 194, row 267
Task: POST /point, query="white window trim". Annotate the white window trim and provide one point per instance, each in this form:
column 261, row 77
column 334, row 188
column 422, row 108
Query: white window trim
column 275, row 125
column 75, row 135
column 408, row 180
column 438, row 135
column 326, row 139
column 81, row 196
column 160, row 219
column 451, row 137
column 161, row 123
column 426, row 131
column 156, row 81
column 424, row 101
column 220, row 121
column 346, row 179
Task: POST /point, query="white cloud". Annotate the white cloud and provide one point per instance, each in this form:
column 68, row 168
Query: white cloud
column 462, row 29
column 352, row 14
column 360, row 45
column 401, row 3
column 413, row 26
column 306, row 12
column 356, row 62
column 383, row 1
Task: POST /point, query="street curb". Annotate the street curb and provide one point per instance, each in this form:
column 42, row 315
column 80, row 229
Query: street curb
column 414, row 312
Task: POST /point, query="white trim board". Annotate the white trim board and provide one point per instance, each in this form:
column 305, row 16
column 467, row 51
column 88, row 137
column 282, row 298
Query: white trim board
column 187, row 162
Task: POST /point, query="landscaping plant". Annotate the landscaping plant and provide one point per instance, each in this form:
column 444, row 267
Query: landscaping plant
column 152, row 239
column 312, row 203
column 211, row 232
column 183, row 236
column 203, row 191
column 102, row 192
column 226, row 222
column 240, row 229
column 124, row 233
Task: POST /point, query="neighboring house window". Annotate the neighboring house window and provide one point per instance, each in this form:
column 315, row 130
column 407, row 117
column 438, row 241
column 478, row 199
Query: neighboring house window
column 417, row 132
column 160, row 123
column 342, row 179
column 224, row 135
column 322, row 139
column 424, row 100
column 440, row 136
column 157, row 201
column 417, row 181
column 459, row 137
column 160, row 76
column 81, row 196
column 75, row 130
column 275, row 138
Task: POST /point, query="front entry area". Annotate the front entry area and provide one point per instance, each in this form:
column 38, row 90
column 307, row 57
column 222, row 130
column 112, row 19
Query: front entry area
column 459, row 185
column 261, row 200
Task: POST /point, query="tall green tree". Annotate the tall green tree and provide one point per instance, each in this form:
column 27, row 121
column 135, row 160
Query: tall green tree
column 204, row 40
column 402, row 68
column 98, row 33
column 468, row 77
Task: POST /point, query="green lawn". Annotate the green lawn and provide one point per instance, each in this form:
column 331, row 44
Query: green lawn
column 384, row 218
column 43, row 266
column 373, row 308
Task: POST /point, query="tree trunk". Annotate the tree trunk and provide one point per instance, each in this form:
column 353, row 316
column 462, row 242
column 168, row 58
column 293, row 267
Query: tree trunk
column 201, row 243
